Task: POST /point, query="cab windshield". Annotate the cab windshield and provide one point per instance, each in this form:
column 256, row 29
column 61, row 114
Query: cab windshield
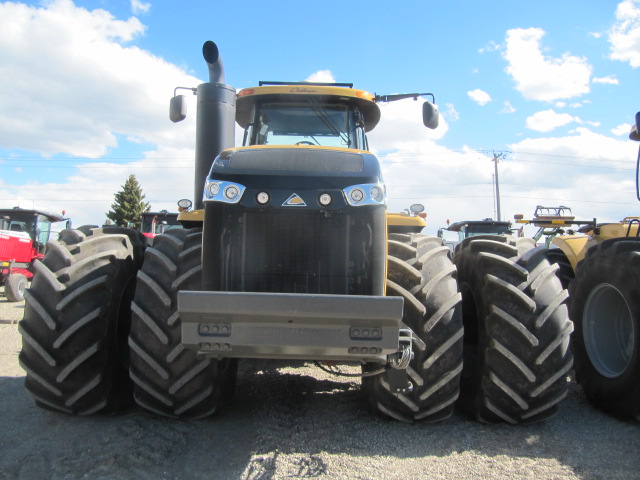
column 304, row 123
column 476, row 230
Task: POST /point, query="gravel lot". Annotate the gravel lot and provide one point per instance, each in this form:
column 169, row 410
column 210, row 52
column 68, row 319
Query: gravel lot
column 296, row 422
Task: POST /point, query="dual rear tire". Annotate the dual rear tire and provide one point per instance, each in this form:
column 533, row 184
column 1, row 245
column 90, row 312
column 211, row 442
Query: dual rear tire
column 605, row 307
column 517, row 331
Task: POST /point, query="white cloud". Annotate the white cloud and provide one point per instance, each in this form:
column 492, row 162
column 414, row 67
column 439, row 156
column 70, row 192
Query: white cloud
column 622, row 129
column 490, row 47
column 479, row 96
column 138, row 7
column 451, row 113
column 548, row 120
column 591, row 173
column 624, row 36
column 321, row 76
column 62, row 93
column 540, row 77
column 84, row 104
column 507, row 108
column 609, row 80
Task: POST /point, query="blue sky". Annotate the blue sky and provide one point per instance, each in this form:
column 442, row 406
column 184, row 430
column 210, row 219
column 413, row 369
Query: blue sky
column 85, row 86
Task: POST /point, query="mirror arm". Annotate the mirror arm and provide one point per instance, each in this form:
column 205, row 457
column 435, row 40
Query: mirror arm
column 402, row 96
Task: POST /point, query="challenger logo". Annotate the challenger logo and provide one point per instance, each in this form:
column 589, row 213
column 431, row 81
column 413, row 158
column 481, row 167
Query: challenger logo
column 294, row 201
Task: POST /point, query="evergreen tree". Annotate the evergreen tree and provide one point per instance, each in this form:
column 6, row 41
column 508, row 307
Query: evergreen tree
column 129, row 205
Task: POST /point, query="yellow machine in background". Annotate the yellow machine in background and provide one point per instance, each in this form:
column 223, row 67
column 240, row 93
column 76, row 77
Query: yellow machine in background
column 412, row 220
column 600, row 263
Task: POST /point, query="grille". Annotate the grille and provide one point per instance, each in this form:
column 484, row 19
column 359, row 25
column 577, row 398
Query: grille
column 298, row 252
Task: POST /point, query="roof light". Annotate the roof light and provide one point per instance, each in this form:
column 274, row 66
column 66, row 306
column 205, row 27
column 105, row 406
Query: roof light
column 365, row 95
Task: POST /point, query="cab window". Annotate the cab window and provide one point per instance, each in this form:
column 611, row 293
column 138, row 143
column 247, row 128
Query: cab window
column 305, row 123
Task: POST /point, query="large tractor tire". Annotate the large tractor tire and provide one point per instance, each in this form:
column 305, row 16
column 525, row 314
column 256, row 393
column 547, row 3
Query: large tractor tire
column 170, row 380
column 605, row 308
column 14, row 287
column 517, row 331
column 76, row 321
column 565, row 270
column 420, row 271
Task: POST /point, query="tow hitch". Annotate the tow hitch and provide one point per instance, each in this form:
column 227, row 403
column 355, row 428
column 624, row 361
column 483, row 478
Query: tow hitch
column 399, row 361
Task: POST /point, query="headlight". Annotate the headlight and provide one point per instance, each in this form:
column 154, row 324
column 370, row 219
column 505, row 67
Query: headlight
column 231, row 192
column 325, row 199
column 366, row 194
column 262, row 198
column 218, row 191
column 376, row 193
column 357, row 195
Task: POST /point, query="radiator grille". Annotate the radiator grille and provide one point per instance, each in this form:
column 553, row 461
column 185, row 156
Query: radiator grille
column 298, row 252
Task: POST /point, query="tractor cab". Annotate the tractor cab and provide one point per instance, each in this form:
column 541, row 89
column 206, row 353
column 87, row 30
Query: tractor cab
column 23, row 238
column 325, row 115
column 475, row 228
column 155, row 223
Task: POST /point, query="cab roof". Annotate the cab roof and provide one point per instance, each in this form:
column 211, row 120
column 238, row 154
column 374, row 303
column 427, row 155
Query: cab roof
column 325, row 92
column 51, row 216
column 457, row 226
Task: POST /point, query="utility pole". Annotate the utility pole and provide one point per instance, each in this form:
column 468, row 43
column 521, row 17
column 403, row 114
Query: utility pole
column 496, row 158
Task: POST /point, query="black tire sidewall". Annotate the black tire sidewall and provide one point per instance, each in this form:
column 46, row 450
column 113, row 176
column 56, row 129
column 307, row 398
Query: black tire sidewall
column 14, row 287
column 608, row 263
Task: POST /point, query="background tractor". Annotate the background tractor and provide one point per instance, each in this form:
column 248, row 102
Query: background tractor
column 287, row 255
column 472, row 228
column 412, row 220
column 155, row 223
column 23, row 238
column 602, row 267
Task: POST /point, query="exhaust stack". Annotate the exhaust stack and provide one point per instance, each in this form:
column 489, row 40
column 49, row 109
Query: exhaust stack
column 215, row 123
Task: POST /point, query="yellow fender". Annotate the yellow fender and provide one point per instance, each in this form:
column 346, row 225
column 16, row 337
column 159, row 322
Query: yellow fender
column 574, row 247
column 191, row 216
column 402, row 219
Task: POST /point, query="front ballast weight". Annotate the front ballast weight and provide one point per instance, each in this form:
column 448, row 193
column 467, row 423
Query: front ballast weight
column 348, row 328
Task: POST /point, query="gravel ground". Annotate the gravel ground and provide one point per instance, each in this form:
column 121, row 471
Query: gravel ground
column 293, row 421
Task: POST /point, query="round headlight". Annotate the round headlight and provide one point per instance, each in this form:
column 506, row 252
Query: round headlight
column 325, row 199
column 376, row 193
column 357, row 195
column 214, row 188
column 262, row 198
column 231, row 192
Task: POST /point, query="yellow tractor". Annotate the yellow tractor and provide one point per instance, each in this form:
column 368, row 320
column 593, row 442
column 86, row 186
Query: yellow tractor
column 601, row 264
column 412, row 220
column 286, row 255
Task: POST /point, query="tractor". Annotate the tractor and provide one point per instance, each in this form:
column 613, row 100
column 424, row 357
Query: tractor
column 601, row 265
column 23, row 239
column 411, row 220
column 286, row 255
column 472, row 228
column 155, row 223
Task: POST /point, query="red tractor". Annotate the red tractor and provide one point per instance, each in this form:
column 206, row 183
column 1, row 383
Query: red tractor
column 23, row 238
column 155, row 223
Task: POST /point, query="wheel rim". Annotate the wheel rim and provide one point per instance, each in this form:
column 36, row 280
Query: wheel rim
column 608, row 330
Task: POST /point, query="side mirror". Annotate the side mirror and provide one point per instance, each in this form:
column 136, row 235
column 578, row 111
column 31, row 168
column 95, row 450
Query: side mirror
column 430, row 115
column 178, row 108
